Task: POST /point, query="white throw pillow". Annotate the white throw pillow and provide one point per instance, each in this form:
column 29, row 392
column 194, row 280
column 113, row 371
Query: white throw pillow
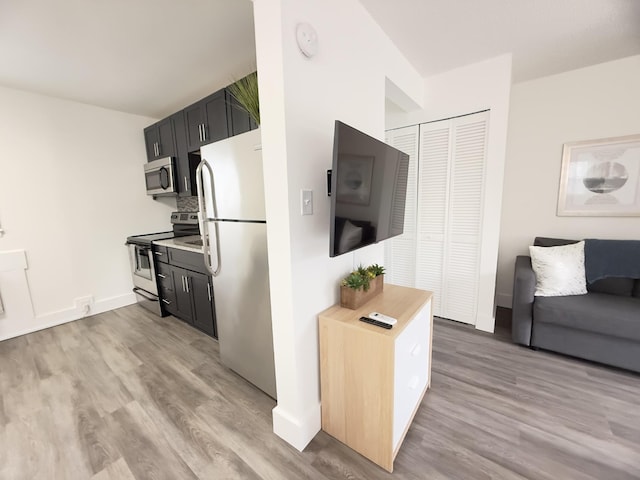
column 559, row 270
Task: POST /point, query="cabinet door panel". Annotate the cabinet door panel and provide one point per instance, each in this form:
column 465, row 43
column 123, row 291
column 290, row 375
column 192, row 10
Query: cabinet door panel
column 194, row 118
column 166, row 143
column 216, row 117
column 239, row 121
column 183, row 173
column 150, row 141
column 203, row 311
column 183, row 296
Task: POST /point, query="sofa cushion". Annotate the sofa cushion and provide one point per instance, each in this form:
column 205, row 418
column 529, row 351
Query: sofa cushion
column 612, row 286
column 602, row 313
column 559, row 270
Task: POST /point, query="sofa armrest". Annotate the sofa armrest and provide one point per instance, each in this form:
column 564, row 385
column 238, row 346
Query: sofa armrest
column 524, row 287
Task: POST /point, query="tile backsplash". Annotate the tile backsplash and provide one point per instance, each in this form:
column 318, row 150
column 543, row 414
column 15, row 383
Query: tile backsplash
column 187, row 204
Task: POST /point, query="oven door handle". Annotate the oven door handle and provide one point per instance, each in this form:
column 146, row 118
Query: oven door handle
column 145, row 294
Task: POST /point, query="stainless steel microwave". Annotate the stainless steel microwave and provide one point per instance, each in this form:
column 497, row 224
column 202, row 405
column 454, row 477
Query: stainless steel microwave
column 160, row 177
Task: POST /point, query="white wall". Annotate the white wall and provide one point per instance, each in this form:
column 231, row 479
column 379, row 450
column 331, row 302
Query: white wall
column 594, row 102
column 71, row 190
column 480, row 86
column 300, row 99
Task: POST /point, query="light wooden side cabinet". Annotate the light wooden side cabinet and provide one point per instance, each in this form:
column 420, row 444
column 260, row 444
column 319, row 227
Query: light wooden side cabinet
column 372, row 380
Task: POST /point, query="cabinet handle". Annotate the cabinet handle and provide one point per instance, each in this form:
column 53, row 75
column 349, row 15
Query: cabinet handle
column 209, row 291
column 186, row 184
column 186, row 282
column 159, row 253
column 415, row 351
column 204, row 132
column 413, row 383
column 182, row 278
column 157, row 149
column 166, row 301
column 200, row 132
column 162, row 276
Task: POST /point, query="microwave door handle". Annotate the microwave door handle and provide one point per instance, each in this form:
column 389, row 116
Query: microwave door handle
column 204, row 217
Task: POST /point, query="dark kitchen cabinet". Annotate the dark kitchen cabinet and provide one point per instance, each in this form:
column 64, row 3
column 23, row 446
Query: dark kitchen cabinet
column 182, row 293
column 202, row 295
column 238, row 118
column 159, row 140
column 186, row 293
column 206, row 121
column 183, row 172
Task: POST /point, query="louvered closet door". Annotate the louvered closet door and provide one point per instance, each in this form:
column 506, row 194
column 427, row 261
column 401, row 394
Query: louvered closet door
column 433, row 189
column 400, row 251
column 462, row 253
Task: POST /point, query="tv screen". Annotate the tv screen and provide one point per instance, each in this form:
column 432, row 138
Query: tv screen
column 368, row 190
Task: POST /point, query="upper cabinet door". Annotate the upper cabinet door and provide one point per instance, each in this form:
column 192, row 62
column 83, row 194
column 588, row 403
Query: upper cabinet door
column 207, row 121
column 159, row 140
column 194, row 120
column 183, row 172
column 216, row 127
column 239, row 120
column 166, row 139
column 151, row 140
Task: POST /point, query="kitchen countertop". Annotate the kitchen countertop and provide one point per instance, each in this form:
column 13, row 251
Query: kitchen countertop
column 179, row 243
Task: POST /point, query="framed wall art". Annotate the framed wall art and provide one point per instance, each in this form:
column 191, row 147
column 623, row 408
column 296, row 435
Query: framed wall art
column 600, row 178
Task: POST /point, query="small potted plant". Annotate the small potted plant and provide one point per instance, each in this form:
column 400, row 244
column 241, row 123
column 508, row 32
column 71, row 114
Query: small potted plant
column 361, row 285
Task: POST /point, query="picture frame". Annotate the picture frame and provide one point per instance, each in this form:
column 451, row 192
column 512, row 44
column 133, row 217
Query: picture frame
column 600, row 178
column 354, row 179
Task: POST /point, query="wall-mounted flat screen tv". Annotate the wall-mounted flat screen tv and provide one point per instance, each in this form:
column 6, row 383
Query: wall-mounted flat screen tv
column 368, row 190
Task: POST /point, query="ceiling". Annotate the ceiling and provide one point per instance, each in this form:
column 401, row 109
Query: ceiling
column 545, row 36
column 153, row 57
column 148, row 57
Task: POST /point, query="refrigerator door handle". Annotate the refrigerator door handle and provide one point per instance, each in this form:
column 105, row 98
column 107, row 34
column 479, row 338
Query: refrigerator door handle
column 204, row 215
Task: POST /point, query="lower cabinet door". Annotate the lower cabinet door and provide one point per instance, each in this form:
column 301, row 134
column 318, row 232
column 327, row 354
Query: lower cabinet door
column 182, row 294
column 203, row 309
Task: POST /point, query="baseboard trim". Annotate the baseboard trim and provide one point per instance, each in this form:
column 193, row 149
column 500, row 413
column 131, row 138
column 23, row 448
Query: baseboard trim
column 53, row 319
column 297, row 432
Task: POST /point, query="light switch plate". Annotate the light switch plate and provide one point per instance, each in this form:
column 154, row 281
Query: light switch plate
column 306, row 202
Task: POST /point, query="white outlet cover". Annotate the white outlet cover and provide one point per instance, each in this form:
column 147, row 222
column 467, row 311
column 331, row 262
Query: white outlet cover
column 307, row 39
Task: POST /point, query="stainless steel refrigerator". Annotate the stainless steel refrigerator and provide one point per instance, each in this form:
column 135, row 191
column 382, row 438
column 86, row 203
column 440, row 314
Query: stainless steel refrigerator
column 234, row 234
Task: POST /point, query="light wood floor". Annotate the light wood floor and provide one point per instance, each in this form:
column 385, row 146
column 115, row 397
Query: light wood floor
column 125, row 395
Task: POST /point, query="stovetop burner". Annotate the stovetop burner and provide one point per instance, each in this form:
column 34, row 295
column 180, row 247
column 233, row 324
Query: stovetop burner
column 184, row 224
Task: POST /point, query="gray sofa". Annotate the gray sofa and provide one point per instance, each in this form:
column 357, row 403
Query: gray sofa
column 603, row 325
